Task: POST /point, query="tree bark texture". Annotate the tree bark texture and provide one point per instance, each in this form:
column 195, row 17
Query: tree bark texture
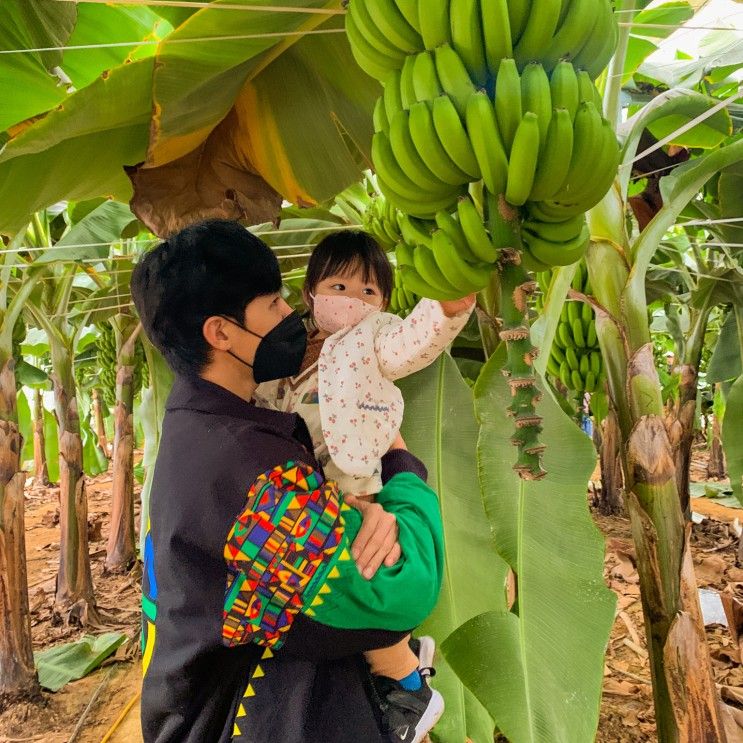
column 41, row 470
column 716, row 465
column 611, row 502
column 100, row 424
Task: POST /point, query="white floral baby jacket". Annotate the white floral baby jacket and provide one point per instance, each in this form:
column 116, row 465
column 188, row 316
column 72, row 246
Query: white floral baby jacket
column 348, row 397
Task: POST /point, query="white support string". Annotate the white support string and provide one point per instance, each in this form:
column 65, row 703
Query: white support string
column 167, row 40
column 211, row 6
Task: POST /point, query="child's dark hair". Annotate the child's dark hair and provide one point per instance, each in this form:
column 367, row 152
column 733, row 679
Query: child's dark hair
column 340, row 253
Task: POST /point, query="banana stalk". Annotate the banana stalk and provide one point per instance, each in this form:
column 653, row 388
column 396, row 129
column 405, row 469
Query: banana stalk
column 516, row 288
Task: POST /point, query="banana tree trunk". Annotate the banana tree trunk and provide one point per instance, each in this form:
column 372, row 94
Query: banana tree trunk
column 686, row 703
column 121, row 550
column 716, row 465
column 686, row 410
column 74, row 598
column 100, row 424
column 41, row 470
column 17, row 672
column 611, row 502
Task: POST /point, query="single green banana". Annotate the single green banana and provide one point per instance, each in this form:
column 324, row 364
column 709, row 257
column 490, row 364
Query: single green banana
column 453, row 230
column 433, row 16
column 467, row 38
column 562, row 336
column 578, row 336
column 595, row 362
column 454, row 78
column 496, row 28
column 392, row 24
column 587, row 91
column 486, row 142
column 573, row 311
column 407, row 83
column 408, row 158
column 381, row 124
column 578, row 383
column 536, row 97
column 571, row 357
column 577, row 282
column 565, row 375
column 453, row 136
column 426, row 266
column 587, row 146
column 540, row 27
column 545, row 212
column 590, row 382
column 372, row 34
column 392, row 95
column 416, row 231
column 388, row 169
column 553, row 367
column 554, row 161
column 599, row 47
column 404, row 254
column 557, row 254
column 556, row 231
column 585, row 365
column 591, row 336
column 508, row 101
column 558, row 353
column 586, row 315
column 523, row 160
column 424, row 207
column 573, row 33
column 518, row 14
column 409, row 10
column 415, row 283
column 425, row 78
column 430, row 147
column 466, row 277
column 564, row 88
column 474, row 230
column 374, row 63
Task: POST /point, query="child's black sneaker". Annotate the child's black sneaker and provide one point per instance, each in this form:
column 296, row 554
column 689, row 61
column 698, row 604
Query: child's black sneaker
column 408, row 716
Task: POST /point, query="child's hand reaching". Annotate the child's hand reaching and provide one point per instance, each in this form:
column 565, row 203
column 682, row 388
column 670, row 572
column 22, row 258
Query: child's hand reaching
column 455, row 307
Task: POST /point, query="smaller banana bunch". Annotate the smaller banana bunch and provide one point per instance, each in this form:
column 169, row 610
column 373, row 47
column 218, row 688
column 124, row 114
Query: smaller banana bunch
column 381, row 220
column 447, row 257
column 575, row 356
column 107, row 362
column 402, row 300
column 384, row 32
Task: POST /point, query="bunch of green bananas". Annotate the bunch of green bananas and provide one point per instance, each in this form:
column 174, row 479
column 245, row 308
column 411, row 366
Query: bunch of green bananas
column 575, row 356
column 383, row 33
column 402, row 300
column 381, row 220
column 354, row 202
column 107, row 359
column 107, row 362
column 447, row 257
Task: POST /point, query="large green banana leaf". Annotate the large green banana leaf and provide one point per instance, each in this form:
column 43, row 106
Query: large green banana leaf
column 732, row 437
column 27, row 87
column 725, row 363
column 440, row 428
column 538, row 669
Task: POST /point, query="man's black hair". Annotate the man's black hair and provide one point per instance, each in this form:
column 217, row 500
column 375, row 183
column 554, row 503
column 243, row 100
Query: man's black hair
column 211, row 268
column 340, row 253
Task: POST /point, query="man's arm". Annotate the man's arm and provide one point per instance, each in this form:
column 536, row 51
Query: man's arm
column 292, row 579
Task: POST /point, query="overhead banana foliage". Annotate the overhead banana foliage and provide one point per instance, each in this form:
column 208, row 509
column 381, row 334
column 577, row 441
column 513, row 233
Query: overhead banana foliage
column 213, row 112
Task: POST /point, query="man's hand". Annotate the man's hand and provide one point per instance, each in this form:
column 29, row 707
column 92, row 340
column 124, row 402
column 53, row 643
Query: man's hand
column 376, row 542
column 456, row 306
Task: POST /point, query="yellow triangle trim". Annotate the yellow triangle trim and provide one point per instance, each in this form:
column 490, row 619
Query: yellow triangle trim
column 236, row 732
column 258, row 673
column 250, row 691
column 310, row 613
column 317, row 601
column 334, row 573
column 345, row 507
column 267, row 654
column 241, row 711
column 325, row 588
column 345, row 556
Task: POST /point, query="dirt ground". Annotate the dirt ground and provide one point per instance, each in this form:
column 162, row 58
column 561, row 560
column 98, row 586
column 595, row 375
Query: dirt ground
column 104, row 706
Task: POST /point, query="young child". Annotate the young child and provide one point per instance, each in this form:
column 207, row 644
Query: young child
column 346, row 394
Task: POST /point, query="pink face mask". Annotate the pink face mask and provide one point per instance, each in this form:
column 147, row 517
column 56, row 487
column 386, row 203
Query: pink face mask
column 333, row 312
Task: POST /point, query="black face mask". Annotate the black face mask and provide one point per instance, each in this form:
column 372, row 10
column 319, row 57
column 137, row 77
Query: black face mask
column 280, row 352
